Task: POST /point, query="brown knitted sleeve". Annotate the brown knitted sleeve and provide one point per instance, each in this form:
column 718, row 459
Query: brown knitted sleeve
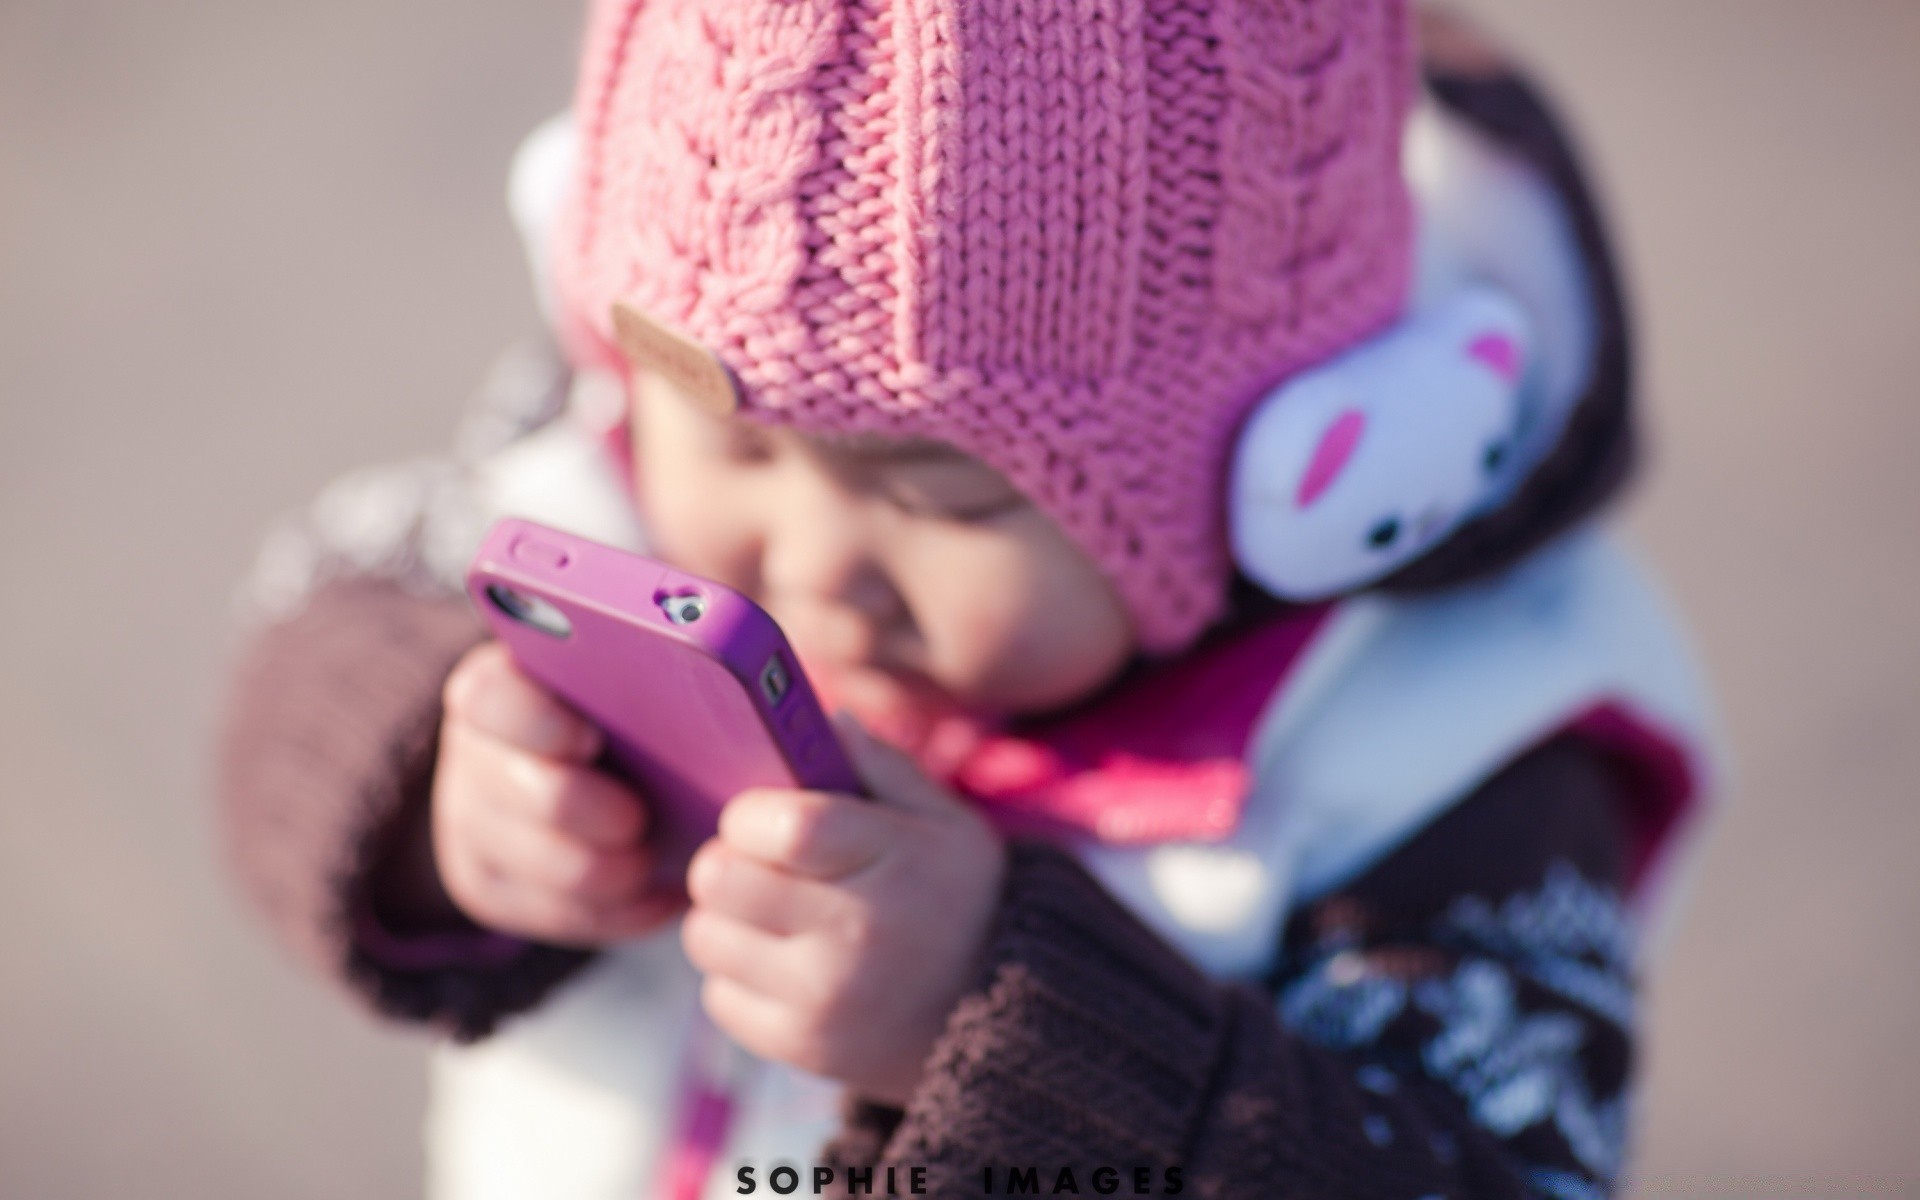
column 325, row 765
column 1416, row 1041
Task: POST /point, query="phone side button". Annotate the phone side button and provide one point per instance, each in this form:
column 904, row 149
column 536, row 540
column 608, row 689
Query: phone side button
column 808, row 752
column 540, row 554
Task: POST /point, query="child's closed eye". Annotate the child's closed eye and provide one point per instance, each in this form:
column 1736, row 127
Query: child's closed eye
column 746, row 444
column 925, row 478
column 956, row 489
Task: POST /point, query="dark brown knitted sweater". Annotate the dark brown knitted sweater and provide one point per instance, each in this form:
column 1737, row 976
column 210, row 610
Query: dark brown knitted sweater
column 1455, row 1022
column 1089, row 1042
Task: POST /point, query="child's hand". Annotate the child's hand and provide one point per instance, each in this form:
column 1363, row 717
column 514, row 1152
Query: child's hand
column 529, row 839
column 836, row 933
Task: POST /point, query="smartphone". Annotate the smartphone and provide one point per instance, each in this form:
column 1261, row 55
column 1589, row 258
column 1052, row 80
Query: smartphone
column 693, row 684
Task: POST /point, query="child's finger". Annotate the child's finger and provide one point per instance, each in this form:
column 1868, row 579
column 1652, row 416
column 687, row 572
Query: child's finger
column 765, row 897
column 529, row 910
column 760, row 1023
column 750, row 957
column 539, row 856
column 637, row 917
column 818, row 834
column 574, row 800
column 487, row 693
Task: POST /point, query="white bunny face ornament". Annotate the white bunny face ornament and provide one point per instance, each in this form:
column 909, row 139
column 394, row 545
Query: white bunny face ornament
column 1359, row 465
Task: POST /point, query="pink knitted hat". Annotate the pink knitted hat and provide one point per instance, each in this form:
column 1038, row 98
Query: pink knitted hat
column 1074, row 239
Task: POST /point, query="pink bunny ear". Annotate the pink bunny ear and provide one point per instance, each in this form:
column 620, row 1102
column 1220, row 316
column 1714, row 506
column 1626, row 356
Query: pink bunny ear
column 1335, row 448
column 1499, row 352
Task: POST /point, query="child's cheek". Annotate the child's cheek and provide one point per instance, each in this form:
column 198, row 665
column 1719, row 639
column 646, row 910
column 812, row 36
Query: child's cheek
column 1019, row 621
column 694, row 524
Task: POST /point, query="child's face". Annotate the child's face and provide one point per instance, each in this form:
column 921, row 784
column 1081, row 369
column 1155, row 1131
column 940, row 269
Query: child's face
column 909, row 576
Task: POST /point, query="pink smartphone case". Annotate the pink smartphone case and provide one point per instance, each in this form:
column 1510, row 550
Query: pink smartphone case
column 687, row 715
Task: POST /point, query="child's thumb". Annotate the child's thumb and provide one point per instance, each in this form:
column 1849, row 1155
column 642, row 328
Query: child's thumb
column 891, row 777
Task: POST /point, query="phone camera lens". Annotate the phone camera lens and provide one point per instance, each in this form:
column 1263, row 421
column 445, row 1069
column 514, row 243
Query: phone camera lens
column 529, row 610
column 685, row 609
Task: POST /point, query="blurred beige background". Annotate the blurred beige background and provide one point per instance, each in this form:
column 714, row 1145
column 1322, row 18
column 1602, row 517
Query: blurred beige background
column 244, row 246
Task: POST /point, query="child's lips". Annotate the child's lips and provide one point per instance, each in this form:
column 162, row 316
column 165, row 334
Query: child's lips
column 906, row 710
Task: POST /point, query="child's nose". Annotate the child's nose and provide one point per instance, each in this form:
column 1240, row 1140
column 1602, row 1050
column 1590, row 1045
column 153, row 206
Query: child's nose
column 822, row 550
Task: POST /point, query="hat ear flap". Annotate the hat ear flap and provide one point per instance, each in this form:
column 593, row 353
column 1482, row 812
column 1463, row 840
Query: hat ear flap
column 1360, row 464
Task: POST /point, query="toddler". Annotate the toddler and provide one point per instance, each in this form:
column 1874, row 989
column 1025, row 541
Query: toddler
column 1170, row 442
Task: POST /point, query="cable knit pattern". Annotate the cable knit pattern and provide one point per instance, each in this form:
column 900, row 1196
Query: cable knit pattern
column 1075, row 239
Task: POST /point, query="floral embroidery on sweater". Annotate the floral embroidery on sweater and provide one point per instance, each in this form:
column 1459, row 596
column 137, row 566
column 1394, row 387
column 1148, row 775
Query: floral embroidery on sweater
column 1522, row 1015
